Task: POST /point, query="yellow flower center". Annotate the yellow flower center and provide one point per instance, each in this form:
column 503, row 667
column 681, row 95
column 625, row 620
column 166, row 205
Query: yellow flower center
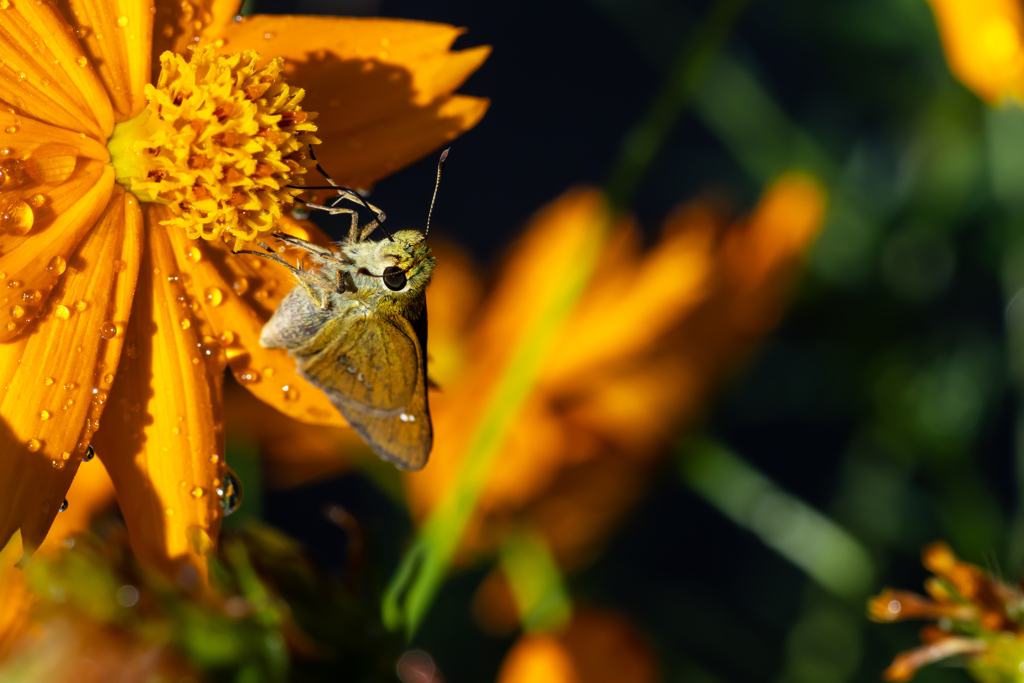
column 219, row 143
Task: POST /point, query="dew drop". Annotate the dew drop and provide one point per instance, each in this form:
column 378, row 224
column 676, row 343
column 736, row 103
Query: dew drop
column 82, row 31
column 4, row 4
column 90, row 453
column 57, row 464
column 169, row 512
column 214, row 296
column 44, row 414
column 16, row 217
column 198, row 492
column 34, row 445
column 51, row 170
column 290, row 393
column 37, row 200
column 81, row 306
column 119, row 266
column 82, row 61
column 62, row 312
column 48, row 381
column 17, row 312
column 227, row 338
column 31, row 296
column 13, row 284
column 108, row 330
column 185, row 323
column 108, row 378
column 248, row 377
column 269, row 35
column 241, row 286
column 230, row 493
column 63, row 506
column 194, row 255
column 65, row 455
column 57, row 265
column 70, row 386
column 122, row 21
column 11, row 129
column 214, row 458
column 98, row 397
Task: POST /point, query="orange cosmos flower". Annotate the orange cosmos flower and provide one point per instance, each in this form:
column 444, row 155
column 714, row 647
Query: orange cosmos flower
column 129, row 170
column 984, row 43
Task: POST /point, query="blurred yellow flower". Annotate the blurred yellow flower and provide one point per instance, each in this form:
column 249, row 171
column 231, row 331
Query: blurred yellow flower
column 984, row 43
column 92, row 269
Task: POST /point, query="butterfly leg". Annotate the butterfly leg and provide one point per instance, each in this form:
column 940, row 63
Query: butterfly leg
column 304, row 245
column 301, row 276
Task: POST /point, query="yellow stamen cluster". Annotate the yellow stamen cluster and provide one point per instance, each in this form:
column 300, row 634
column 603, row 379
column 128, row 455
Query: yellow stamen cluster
column 220, row 142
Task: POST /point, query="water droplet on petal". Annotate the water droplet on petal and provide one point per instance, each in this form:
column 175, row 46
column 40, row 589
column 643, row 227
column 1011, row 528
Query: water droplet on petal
column 44, row 414
column 37, row 200
column 108, row 330
column 81, row 306
column 186, row 323
column 48, row 381
column 241, row 286
column 17, row 312
column 290, row 393
column 122, row 21
column 16, row 217
column 56, row 266
column 82, row 62
column 4, row 4
column 214, row 296
column 214, row 458
column 119, row 266
column 249, row 376
column 34, row 445
column 51, row 170
column 63, row 506
column 230, row 493
column 227, row 338
column 62, row 312
column 90, row 453
column 65, row 455
column 98, row 397
column 82, row 31
column 198, row 492
column 31, row 296
column 194, row 255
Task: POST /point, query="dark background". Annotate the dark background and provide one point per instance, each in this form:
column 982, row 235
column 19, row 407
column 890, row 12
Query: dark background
column 887, row 401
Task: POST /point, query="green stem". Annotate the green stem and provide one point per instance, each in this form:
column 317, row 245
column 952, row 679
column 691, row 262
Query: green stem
column 642, row 144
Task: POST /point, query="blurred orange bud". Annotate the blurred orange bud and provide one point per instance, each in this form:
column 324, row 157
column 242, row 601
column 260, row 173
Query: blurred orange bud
column 983, row 44
column 596, row 647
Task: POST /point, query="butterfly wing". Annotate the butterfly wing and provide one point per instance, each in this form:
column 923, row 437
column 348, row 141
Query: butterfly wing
column 375, row 374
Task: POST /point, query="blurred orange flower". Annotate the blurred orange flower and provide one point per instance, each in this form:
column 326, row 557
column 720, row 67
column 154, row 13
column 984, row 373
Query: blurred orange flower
column 640, row 353
column 984, row 43
column 976, row 613
column 98, row 90
column 596, row 647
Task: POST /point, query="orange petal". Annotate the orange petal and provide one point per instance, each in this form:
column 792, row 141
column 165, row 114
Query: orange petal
column 45, row 75
column 54, row 377
column 31, row 263
column 178, row 23
column 164, row 443
column 383, row 88
column 984, row 43
column 116, row 36
column 15, row 596
column 237, row 294
column 34, row 139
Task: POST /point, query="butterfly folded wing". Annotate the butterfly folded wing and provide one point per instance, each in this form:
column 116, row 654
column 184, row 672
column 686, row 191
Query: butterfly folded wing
column 374, row 375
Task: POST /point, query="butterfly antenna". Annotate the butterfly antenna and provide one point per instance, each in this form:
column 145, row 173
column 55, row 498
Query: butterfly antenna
column 345, row 192
column 437, row 184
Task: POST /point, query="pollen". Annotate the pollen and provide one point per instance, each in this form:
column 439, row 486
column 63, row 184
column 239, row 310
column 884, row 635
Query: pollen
column 219, row 143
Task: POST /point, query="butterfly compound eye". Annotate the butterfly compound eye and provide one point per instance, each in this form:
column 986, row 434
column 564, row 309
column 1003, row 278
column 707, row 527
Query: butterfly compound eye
column 394, row 278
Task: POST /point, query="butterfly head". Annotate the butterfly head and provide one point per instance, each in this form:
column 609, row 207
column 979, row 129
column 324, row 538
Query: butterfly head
column 396, row 269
